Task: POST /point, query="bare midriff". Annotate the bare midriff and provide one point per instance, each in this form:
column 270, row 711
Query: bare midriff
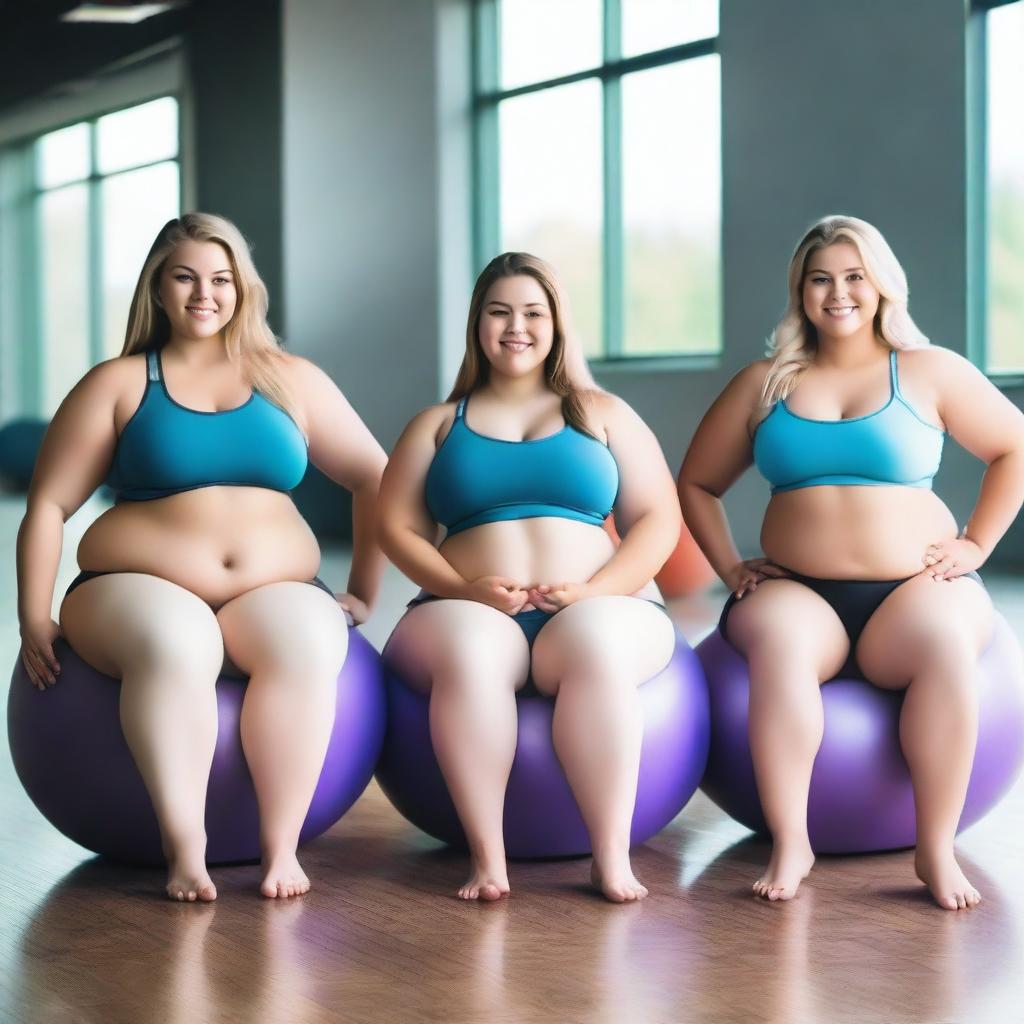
column 217, row 542
column 533, row 551
column 856, row 533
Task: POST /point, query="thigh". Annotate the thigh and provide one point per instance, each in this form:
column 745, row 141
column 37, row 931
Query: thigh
column 451, row 636
column 291, row 626
column 922, row 621
column 630, row 637
column 786, row 619
column 122, row 619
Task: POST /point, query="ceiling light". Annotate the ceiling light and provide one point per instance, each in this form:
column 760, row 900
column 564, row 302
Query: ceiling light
column 122, row 14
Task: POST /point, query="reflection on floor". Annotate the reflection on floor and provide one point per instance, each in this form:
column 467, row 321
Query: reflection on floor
column 380, row 938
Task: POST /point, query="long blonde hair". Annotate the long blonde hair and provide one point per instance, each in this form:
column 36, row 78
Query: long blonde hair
column 248, row 338
column 565, row 369
column 794, row 341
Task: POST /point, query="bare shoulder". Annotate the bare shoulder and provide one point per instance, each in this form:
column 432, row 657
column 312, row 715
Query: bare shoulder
column 750, row 380
column 114, row 378
column 933, row 362
column 432, row 423
column 303, row 372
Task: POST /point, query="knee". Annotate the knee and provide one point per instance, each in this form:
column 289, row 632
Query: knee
column 194, row 656
column 299, row 659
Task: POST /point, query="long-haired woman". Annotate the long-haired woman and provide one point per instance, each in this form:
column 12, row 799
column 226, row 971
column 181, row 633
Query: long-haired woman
column 521, row 465
column 846, row 420
column 202, row 426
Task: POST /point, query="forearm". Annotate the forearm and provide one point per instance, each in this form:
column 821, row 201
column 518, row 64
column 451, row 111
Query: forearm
column 705, row 518
column 367, row 557
column 643, row 551
column 420, row 560
column 38, row 557
column 1002, row 493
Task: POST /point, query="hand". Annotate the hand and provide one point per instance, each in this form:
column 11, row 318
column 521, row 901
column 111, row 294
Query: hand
column 553, row 597
column 355, row 610
column 499, row 592
column 745, row 576
column 37, row 652
column 951, row 558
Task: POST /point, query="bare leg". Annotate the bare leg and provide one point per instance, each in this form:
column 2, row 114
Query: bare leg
column 164, row 644
column 471, row 659
column 793, row 641
column 942, row 627
column 291, row 640
column 592, row 657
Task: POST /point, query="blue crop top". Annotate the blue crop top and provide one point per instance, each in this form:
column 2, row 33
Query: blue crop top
column 166, row 448
column 475, row 479
column 892, row 446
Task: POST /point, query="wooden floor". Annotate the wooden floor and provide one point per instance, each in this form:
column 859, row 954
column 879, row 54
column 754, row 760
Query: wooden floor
column 381, row 938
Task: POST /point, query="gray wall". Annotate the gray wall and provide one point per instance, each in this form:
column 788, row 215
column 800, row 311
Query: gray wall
column 826, row 109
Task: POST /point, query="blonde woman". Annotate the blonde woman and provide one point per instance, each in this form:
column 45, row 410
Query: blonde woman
column 521, row 465
column 203, row 426
column 846, row 420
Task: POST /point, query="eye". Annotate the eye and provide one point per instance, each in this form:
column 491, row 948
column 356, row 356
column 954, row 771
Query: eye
column 855, row 277
column 819, row 280
column 499, row 312
column 535, row 313
column 222, row 280
column 182, row 277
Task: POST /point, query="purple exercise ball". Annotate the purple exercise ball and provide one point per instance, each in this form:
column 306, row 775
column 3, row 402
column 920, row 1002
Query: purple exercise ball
column 861, row 798
column 72, row 759
column 541, row 816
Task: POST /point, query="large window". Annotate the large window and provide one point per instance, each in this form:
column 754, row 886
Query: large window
column 1002, row 319
column 599, row 149
column 95, row 195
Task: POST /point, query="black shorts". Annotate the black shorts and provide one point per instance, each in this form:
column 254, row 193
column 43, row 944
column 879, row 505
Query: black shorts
column 854, row 601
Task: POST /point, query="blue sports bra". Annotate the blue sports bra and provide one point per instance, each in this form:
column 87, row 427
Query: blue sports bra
column 892, row 446
column 166, row 448
column 475, row 479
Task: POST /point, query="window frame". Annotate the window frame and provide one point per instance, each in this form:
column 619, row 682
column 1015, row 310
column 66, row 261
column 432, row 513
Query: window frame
column 486, row 99
column 978, row 199
column 31, row 358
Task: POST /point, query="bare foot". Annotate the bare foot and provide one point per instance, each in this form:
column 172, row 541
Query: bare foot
column 187, row 879
column 282, row 876
column 487, row 881
column 613, row 876
column 939, row 870
column 788, row 866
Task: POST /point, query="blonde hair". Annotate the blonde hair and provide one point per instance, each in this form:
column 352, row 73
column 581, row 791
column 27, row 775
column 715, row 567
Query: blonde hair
column 565, row 368
column 247, row 337
column 794, row 341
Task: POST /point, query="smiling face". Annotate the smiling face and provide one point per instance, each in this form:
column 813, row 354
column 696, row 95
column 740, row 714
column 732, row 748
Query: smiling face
column 516, row 328
column 839, row 300
column 197, row 290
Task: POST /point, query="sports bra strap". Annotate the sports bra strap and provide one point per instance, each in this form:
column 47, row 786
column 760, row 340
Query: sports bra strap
column 153, row 364
column 460, row 408
column 894, row 376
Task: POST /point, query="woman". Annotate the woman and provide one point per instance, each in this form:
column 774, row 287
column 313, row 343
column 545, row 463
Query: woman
column 203, row 426
column 846, row 421
column 522, row 464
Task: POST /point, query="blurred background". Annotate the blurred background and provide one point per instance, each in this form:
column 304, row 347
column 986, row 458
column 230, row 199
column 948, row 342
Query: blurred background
column 665, row 155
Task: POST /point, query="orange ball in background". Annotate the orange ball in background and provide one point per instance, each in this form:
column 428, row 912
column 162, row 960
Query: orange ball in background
column 687, row 571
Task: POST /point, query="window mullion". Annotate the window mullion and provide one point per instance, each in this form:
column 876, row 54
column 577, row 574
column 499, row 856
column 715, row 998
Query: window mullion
column 97, row 349
column 611, row 142
column 978, row 283
column 486, row 135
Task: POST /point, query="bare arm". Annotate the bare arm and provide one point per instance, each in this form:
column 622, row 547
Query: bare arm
column 74, row 459
column 407, row 531
column 646, row 511
column 720, row 452
column 343, row 448
column 983, row 420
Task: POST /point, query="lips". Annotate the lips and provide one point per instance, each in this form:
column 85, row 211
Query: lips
column 200, row 312
column 839, row 312
column 516, row 346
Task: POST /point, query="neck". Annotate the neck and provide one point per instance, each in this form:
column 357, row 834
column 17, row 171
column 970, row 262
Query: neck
column 197, row 352
column 516, row 389
column 851, row 352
